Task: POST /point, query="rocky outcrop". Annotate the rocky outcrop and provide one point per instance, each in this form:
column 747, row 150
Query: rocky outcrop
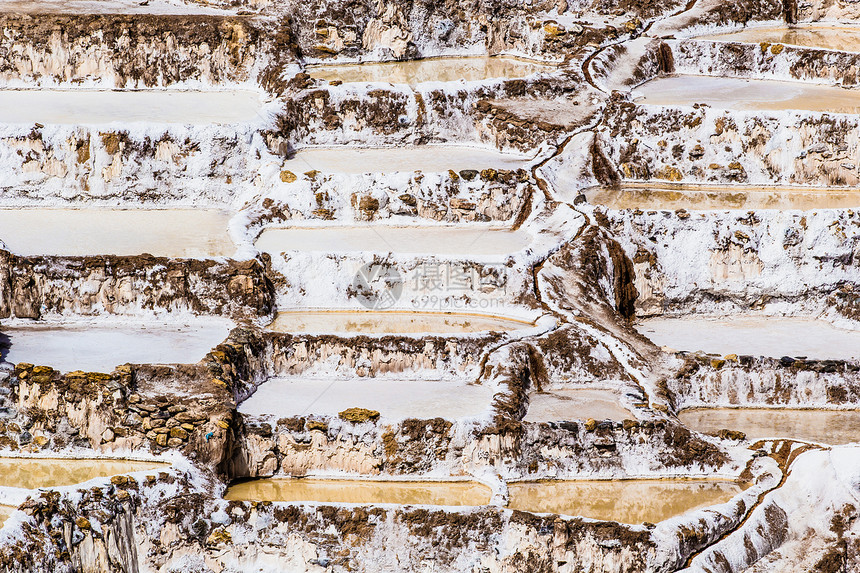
column 135, row 408
column 735, row 260
column 376, row 115
column 765, row 382
column 186, row 164
column 136, row 51
column 766, row 61
column 472, row 195
column 700, row 144
column 34, row 287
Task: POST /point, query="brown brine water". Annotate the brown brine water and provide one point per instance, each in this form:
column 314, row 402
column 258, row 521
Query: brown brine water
column 625, row 501
column 361, row 491
column 843, row 38
column 33, row 473
column 714, row 197
column 447, row 69
column 823, row 426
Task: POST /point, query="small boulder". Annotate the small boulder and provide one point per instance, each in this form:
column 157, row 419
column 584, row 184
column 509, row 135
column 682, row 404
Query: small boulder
column 359, row 415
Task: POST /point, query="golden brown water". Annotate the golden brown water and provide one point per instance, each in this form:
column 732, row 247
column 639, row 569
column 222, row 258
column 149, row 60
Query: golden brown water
column 5, row 512
column 707, row 197
column 815, row 36
column 624, row 501
column 359, row 491
column 391, row 322
column 575, row 404
column 447, row 69
column 827, row 427
column 31, row 473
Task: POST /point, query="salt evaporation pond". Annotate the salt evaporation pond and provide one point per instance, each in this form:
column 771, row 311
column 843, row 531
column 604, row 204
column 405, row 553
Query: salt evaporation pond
column 33, row 473
column 101, row 348
column 716, row 197
column 440, row 240
column 832, row 427
column 392, row 322
column 750, row 95
column 575, row 404
column 843, row 38
column 426, row 158
column 770, row 336
column 413, row 72
column 105, row 7
column 393, row 399
column 360, row 491
column 85, row 107
column 195, row 233
column 624, row 501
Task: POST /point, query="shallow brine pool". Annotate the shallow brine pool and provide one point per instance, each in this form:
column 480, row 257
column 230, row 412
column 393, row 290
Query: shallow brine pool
column 96, row 347
column 32, row 473
column 822, row 426
column 442, row 240
column 447, row 69
column 844, row 38
column 769, row 336
column 714, row 197
column 78, row 7
column 751, row 95
column 426, row 158
column 360, row 491
column 85, row 107
column 195, row 233
column 392, row 322
column 393, row 399
column 575, row 404
column 624, row 501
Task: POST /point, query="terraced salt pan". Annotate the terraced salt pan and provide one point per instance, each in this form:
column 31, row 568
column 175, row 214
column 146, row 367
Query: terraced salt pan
column 822, row 426
column 360, row 491
column 756, row 336
column 33, row 473
column 625, row 501
column 438, row 240
column 88, row 107
column 395, row 400
column 426, row 158
column 392, row 322
column 106, row 7
column 575, row 404
column 98, row 347
column 741, row 94
column 843, row 38
column 712, row 197
column 195, row 233
column 413, row 72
